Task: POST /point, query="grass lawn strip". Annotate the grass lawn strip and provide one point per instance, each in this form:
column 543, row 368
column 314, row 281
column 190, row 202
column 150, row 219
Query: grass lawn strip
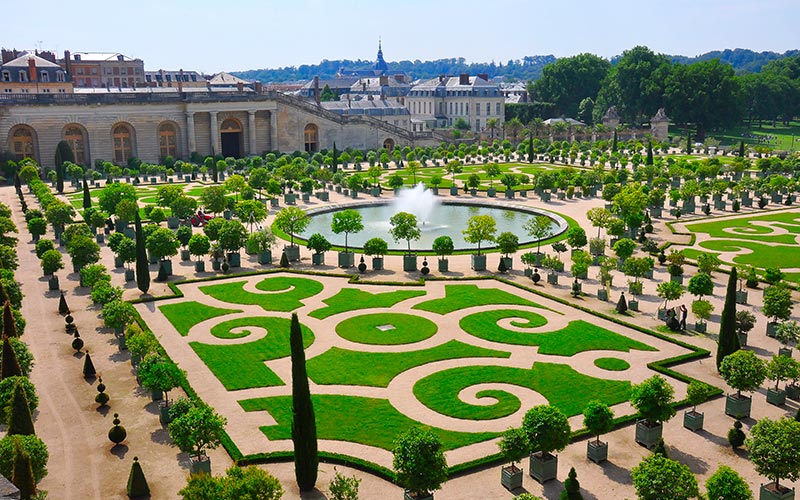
column 462, row 296
column 744, row 228
column 338, row 366
column 561, row 385
column 407, row 329
column 761, row 256
column 291, row 291
column 612, row 364
column 577, row 336
column 355, row 419
column 184, row 315
column 241, row 366
column 352, row 299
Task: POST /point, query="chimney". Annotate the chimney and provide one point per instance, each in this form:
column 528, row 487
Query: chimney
column 441, row 78
column 400, row 78
column 67, row 63
column 120, row 57
column 32, row 69
column 77, row 57
column 463, row 79
column 316, row 90
column 240, row 86
column 384, row 80
column 258, row 87
column 484, row 76
column 180, row 80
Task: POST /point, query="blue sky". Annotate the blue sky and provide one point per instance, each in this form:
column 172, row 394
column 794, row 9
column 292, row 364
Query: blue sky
column 213, row 36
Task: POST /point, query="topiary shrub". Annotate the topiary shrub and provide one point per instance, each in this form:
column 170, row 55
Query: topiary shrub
column 88, row 367
column 572, row 488
column 736, row 435
column 7, row 391
column 101, row 398
column 32, row 445
column 137, row 483
column 117, row 434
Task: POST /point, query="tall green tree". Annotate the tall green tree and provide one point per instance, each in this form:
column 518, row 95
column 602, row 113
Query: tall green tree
column 728, row 339
column 569, row 80
column 142, row 264
column 87, row 197
column 63, row 154
column 304, row 425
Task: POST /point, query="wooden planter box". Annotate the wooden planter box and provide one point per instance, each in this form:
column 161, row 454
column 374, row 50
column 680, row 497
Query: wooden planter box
column 130, row 275
column 700, row 327
column 543, row 468
column 793, row 392
column 676, row 279
column 200, row 464
column 552, row 279
column 785, row 351
column 511, row 478
column 289, row 198
column 776, row 398
column 163, row 413
column 478, row 262
column 444, row 265
column 693, row 420
column 318, row 259
column 491, row 192
column 633, row 305
column 156, row 395
column 509, row 262
column 292, row 252
column 647, row 435
column 742, row 339
column 235, row 259
column 737, row 407
column 741, row 297
column 510, row 194
column 265, row 257
column 347, row 259
column 377, row 263
column 602, row 294
column 173, row 222
column 118, row 262
column 323, row 196
column 409, row 263
column 768, row 492
column 200, row 266
column 453, row 191
column 772, row 328
column 52, row 283
column 185, row 255
column 596, row 452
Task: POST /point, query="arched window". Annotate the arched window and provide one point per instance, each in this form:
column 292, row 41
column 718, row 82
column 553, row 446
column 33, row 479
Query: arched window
column 167, row 140
column 77, row 140
column 22, row 143
column 123, row 144
column 311, row 134
column 230, row 125
column 388, row 145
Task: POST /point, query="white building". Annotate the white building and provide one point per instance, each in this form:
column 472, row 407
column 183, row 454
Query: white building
column 439, row 102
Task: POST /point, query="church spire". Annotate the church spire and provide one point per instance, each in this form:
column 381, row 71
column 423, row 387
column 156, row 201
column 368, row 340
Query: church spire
column 380, row 64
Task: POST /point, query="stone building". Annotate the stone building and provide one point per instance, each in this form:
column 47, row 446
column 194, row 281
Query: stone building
column 439, row 102
column 103, row 69
column 29, row 73
column 151, row 123
column 611, row 118
column 659, row 125
column 171, row 78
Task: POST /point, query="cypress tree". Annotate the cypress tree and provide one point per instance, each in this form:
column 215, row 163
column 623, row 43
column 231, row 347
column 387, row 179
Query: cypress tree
column 3, row 295
column 87, row 198
column 9, row 324
column 137, row 483
column 649, row 160
column 688, row 143
column 530, row 147
column 10, row 364
column 660, row 448
column 88, row 367
column 741, row 149
column 284, row 260
column 63, row 154
column 22, row 474
column 63, row 308
column 20, row 421
column 335, row 162
column 728, row 339
column 304, row 426
column 614, row 142
column 142, row 265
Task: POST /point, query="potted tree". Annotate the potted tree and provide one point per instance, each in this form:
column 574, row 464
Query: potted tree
column 292, row 220
column 787, row 333
column 376, row 248
column 114, row 239
column 37, row 227
column 347, row 221
column 780, row 368
column 745, row 372
column 774, row 446
column 777, row 306
column 607, row 265
column 404, row 227
column 162, row 244
column 199, row 246
column 126, row 251
column 580, row 264
column 675, row 268
column 183, row 234
column 443, row 246
column 653, row 400
column 540, row 227
column 547, row 430
column 623, row 248
column 452, row 168
column 232, row 237
column 319, row 244
column 599, row 419
column 668, row 290
column 553, row 265
column 745, row 321
column 182, row 208
column 637, row 267
column 508, row 243
column 529, row 260
column 51, row 262
column 491, row 170
column 160, row 376
column 696, row 393
column 480, row 228
column 419, row 463
column 513, row 446
column 198, row 429
column 118, row 314
column 84, row 251
column 261, row 242
column 701, row 309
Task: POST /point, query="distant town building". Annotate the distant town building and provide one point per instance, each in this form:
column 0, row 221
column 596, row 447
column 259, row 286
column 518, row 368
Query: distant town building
column 387, row 111
column 439, row 102
column 29, row 73
column 103, row 69
column 515, row 93
column 165, row 78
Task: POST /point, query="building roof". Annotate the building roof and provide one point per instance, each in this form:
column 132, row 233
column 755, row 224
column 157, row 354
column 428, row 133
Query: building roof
column 22, row 62
column 453, row 82
column 342, row 82
column 226, row 79
column 101, row 56
column 570, row 121
column 375, row 107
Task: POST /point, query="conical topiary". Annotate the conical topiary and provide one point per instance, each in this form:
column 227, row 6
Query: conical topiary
column 101, row 398
column 88, row 367
column 117, row 434
column 162, row 273
column 19, row 418
column 77, row 342
column 572, row 488
column 284, row 260
column 622, row 304
column 137, row 483
column 502, row 267
column 9, row 364
column 660, row 448
column 9, row 324
column 22, row 474
column 3, row 294
column 63, row 308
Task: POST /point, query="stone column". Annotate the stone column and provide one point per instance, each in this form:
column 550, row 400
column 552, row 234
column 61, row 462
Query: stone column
column 251, row 132
column 273, row 130
column 190, row 137
column 216, row 143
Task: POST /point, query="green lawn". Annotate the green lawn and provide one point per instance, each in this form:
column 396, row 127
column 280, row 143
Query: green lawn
column 561, row 385
column 405, row 329
column 459, row 297
column 352, row 299
column 184, row 315
column 369, row 421
column 338, row 366
column 577, row 336
column 612, row 364
column 761, row 256
column 744, row 229
column 785, row 135
column 241, row 366
column 285, row 294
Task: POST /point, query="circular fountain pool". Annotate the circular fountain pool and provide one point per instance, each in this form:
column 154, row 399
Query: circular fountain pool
column 434, row 219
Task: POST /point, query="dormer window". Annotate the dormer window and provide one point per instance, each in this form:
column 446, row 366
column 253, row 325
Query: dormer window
column 44, row 76
column 6, row 76
column 60, row 76
column 23, row 75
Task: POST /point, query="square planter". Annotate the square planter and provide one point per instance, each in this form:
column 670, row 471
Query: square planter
column 265, row 257
column 543, row 468
column 323, row 196
column 596, row 452
column 738, row 407
column 785, row 351
column 776, row 398
column 99, row 238
column 648, row 435
column 528, row 272
column 742, row 339
column 292, row 252
column 793, row 392
column 509, row 261
column 602, row 294
column 633, row 305
column 453, row 191
column 409, row 263
column 274, row 202
column 130, row 275
column 444, row 265
column 347, row 259
column 741, row 297
column 173, row 222
column 511, row 478
column 772, row 328
column 377, row 263
column 318, row 259
column 200, row 464
column 200, row 266
column 306, row 197
column 156, row 395
column 121, row 343
column 185, row 255
column 407, row 495
column 552, row 279
column 52, row 283
column 676, row 279
column 693, row 420
column 216, row 265
column 163, row 413
column 491, row 192
column 769, row 492
column 289, row 198
column 118, row 262
column 700, row 327
column 152, row 259
column 478, row 262
column 510, row 194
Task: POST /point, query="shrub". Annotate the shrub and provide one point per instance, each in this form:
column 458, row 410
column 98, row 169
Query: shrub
column 653, row 399
column 51, row 261
column 104, row 292
column 7, row 390
column 727, row 484
column 93, row 274
column 657, row 477
column 743, row 371
column 32, row 445
column 736, row 436
column 419, row 461
column 23, row 354
column 44, row 245
column 118, row 314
